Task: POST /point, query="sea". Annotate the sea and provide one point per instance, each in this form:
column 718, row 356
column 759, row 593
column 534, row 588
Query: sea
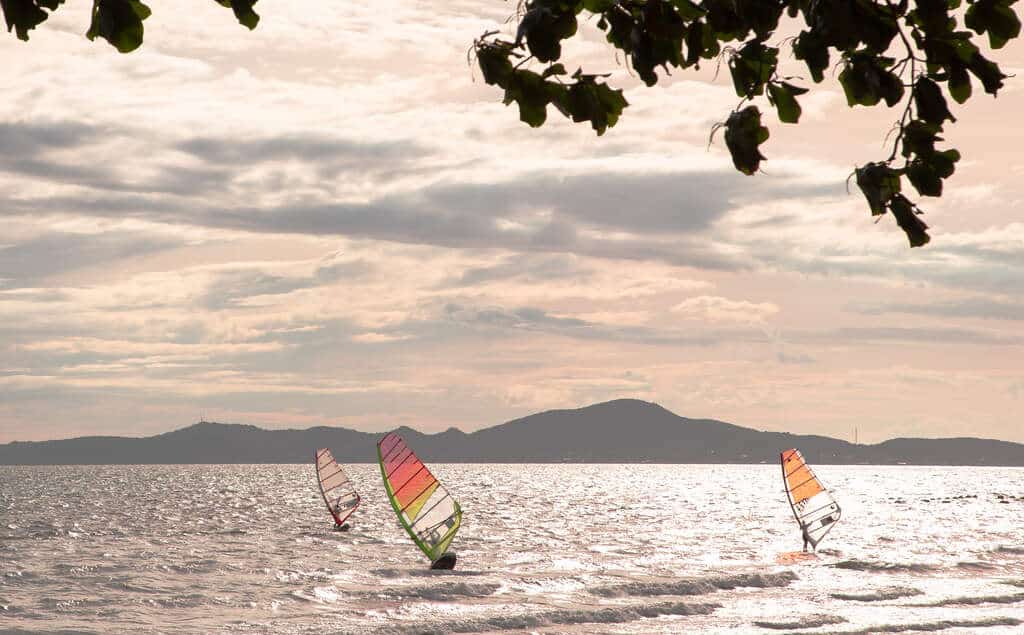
column 564, row 548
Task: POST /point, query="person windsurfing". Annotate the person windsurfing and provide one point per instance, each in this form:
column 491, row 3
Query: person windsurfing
column 337, row 490
column 815, row 509
column 338, row 511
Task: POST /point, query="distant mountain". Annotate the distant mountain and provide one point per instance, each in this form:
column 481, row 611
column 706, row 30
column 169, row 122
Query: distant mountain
column 621, row 431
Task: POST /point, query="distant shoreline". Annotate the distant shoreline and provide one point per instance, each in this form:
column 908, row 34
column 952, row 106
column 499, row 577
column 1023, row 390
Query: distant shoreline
column 624, row 431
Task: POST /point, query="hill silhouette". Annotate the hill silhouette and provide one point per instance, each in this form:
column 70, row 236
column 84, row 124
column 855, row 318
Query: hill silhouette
column 620, row 431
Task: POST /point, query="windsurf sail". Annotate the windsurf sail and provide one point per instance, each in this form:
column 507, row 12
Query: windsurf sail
column 338, row 492
column 425, row 508
column 815, row 509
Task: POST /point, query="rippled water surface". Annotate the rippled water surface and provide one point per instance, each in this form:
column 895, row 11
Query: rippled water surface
column 553, row 548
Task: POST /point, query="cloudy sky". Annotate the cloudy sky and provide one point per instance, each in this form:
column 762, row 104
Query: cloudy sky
column 332, row 220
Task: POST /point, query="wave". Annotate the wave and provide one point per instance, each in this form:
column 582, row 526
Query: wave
column 976, row 566
column 697, row 586
column 886, row 567
column 194, row 567
column 440, row 593
column 563, row 617
column 189, row 600
column 810, row 621
column 1017, row 551
column 975, row 600
column 939, row 625
column 881, row 595
column 424, row 573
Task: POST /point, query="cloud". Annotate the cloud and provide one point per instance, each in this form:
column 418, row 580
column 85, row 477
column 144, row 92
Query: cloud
column 924, row 334
column 236, row 287
column 303, row 148
column 718, row 309
column 29, row 139
column 26, row 263
column 974, row 307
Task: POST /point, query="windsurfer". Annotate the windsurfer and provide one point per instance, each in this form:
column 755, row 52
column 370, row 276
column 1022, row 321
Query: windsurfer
column 807, row 539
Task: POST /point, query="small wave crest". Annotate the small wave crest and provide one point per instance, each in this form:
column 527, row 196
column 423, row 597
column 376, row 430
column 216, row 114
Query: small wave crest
column 976, row 600
column 885, row 567
column 564, row 617
column 697, row 586
column 939, row 625
column 880, row 595
column 810, row 621
column 423, row 573
column 441, row 593
column 976, row 566
column 1016, row 551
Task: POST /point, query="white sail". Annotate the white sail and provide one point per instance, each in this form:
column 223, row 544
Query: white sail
column 338, row 492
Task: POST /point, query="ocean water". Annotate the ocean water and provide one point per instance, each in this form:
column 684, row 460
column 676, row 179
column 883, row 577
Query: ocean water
column 549, row 548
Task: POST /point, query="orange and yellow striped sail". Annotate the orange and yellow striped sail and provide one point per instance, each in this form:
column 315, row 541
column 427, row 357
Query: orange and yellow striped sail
column 424, row 507
column 813, row 506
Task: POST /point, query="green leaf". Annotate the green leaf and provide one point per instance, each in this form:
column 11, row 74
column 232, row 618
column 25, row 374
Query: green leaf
column 959, row 83
column 908, row 218
column 919, row 138
column 987, row 72
column 598, row 6
column 529, row 91
column 923, row 177
column 595, row 102
column 879, row 183
column 751, row 68
column 492, row 58
column 810, row 48
column 743, row 134
column 931, row 105
column 866, row 80
column 782, row 95
column 688, row 10
column 544, row 30
column 118, row 22
column 995, row 17
column 554, row 69
column 24, row 15
column 243, row 12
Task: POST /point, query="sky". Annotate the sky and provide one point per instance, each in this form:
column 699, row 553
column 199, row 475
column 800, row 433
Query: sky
column 332, row 220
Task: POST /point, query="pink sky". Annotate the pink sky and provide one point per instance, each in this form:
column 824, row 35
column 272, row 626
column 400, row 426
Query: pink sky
column 333, row 220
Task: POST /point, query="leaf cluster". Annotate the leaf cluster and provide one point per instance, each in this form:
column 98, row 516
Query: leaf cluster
column 119, row 22
column 936, row 57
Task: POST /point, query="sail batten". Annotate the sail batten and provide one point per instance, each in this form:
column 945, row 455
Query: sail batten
column 815, row 509
column 424, row 507
column 338, row 492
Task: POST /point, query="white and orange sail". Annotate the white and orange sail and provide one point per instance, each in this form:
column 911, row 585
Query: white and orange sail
column 815, row 509
column 338, row 491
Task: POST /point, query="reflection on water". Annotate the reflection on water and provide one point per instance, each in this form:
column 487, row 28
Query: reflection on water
column 563, row 548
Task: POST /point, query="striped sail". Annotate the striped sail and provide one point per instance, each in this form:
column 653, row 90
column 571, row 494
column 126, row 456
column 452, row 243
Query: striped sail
column 338, row 492
column 815, row 509
column 424, row 506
